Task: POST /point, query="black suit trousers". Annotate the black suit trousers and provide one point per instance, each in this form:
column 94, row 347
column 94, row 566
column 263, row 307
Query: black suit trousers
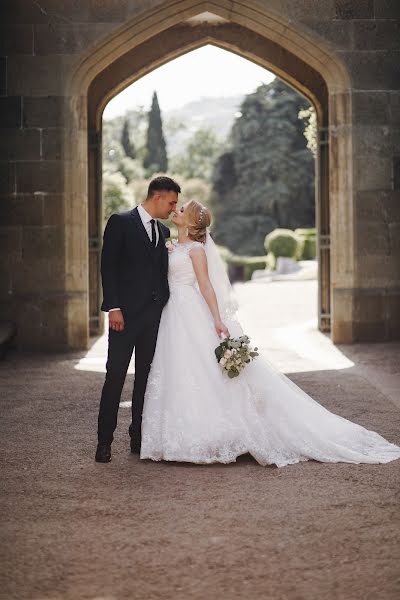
column 139, row 333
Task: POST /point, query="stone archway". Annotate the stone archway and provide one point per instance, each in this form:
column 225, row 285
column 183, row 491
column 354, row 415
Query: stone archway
column 261, row 36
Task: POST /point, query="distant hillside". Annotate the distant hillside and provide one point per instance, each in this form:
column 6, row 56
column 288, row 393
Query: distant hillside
column 206, row 113
column 180, row 124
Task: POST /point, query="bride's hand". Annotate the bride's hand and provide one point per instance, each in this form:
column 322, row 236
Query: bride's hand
column 221, row 329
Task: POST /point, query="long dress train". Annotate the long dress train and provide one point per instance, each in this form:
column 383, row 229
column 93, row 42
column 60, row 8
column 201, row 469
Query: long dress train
column 194, row 413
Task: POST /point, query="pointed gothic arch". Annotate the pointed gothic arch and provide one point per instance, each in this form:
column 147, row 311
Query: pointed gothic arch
column 160, row 35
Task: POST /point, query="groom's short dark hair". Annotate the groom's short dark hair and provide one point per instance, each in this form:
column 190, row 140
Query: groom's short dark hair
column 161, row 184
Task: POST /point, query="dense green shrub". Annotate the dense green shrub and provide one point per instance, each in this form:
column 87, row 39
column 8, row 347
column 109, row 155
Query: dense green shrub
column 306, row 232
column 282, row 242
column 307, row 248
column 241, row 268
column 116, row 194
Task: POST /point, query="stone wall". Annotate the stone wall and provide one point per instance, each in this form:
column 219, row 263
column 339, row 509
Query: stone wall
column 43, row 220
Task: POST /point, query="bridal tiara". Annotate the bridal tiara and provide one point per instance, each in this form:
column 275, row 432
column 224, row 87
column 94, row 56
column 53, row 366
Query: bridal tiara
column 202, row 213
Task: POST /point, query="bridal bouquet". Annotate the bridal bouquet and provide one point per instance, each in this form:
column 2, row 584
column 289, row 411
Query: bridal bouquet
column 233, row 354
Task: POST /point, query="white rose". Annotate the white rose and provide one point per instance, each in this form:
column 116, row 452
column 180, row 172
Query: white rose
column 227, row 353
column 222, row 362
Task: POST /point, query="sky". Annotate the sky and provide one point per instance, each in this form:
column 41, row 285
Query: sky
column 207, row 71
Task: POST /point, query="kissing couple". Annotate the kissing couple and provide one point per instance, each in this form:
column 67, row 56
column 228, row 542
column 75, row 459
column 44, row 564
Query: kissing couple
column 172, row 303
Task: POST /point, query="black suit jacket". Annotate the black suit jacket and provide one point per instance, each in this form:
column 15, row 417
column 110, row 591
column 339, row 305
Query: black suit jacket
column 129, row 269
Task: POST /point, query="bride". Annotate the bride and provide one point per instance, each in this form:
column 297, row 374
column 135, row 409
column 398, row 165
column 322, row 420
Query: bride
column 193, row 412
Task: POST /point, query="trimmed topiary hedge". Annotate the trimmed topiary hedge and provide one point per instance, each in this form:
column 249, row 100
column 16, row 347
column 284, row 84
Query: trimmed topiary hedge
column 282, row 242
column 241, row 268
column 307, row 243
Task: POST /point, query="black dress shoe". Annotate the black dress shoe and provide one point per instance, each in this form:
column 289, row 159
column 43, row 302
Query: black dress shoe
column 103, row 453
column 135, row 445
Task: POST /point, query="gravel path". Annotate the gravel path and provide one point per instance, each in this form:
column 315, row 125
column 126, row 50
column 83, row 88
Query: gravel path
column 73, row 529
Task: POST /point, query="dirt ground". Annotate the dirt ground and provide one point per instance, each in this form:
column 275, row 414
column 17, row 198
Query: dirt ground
column 73, row 529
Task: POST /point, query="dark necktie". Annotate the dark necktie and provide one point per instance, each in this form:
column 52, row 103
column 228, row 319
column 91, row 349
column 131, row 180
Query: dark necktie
column 153, row 233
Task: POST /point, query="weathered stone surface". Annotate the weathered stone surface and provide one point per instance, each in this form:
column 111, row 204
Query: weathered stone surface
column 369, row 315
column 396, row 172
column 338, row 33
column 40, row 176
column 393, row 314
column 36, row 276
column 16, row 39
column 11, row 241
column 387, row 9
column 379, row 270
column 52, row 13
column 304, row 9
column 376, row 35
column 37, row 75
column 394, row 239
column 3, row 75
column 373, row 139
column 42, row 242
column 10, row 260
column 7, row 177
column 10, row 111
column 53, row 209
column 52, row 143
column 371, row 311
column 372, row 238
column 348, row 9
column 35, row 318
column 19, row 144
column 371, row 107
column 379, row 70
column 379, row 205
column 342, row 315
column 373, row 173
column 45, row 111
column 67, row 39
column 394, row 108
column 22, row 209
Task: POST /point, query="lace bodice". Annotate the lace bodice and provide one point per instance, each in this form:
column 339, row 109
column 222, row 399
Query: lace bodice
column 180, row 269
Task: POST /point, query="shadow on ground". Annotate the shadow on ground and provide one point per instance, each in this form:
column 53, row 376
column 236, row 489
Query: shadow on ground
column 74, row 529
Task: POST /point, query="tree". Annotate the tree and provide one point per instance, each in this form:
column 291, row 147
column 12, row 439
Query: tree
column 126, row 142
column 266, row 179
column 199, row 156
column 116, row 194
column 155, row 156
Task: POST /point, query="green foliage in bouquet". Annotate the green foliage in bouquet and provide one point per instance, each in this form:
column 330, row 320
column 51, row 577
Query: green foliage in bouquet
column 233, row 354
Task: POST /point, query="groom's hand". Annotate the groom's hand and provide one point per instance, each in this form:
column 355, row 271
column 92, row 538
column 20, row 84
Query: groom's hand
column 116, row 320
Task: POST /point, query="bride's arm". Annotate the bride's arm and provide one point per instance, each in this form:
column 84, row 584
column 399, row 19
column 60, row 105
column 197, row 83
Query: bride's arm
column 199, row 261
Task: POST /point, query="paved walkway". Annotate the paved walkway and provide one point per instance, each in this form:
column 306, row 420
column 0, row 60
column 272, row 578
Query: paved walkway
column 73, row 529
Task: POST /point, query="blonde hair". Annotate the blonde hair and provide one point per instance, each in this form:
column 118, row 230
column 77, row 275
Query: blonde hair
column 198, row 218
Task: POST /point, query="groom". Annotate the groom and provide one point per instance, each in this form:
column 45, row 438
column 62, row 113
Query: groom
column 134, row 268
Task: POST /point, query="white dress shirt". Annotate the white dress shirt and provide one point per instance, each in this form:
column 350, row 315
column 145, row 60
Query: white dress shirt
column 146, row 218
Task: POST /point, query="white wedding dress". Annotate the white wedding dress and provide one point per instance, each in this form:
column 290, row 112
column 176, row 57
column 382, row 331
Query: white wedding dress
column 193, row 412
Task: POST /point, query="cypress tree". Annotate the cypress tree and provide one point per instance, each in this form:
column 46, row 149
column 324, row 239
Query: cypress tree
column 155, row 157
column 126, row 143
